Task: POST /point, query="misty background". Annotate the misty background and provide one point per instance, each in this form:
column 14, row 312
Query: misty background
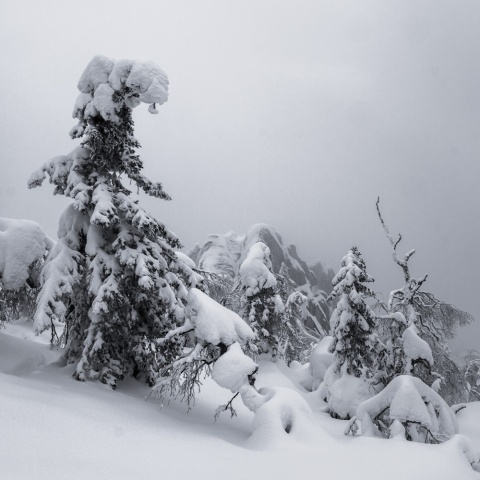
column 293, row 113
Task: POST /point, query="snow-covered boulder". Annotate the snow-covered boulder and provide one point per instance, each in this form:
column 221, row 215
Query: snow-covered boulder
column 22, row 242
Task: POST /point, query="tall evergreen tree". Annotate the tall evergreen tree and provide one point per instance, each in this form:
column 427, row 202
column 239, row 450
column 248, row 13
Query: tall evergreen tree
column 113, row 277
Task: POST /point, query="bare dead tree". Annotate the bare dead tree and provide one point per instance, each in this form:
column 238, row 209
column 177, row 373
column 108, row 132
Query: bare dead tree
column 436, row 320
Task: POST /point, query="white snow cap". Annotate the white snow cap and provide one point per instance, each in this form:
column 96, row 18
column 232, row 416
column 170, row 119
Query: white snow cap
column 416, row 348
column 96, row 72
column 22, row 242
column 232, row 369
column 103, row 77
column 214, row 323
column 185, row 259
column 255, row 271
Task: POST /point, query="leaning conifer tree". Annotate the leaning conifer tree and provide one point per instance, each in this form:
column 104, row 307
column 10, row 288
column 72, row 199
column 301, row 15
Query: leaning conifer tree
column 113, row 277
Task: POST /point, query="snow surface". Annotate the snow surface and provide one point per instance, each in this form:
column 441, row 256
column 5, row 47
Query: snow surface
column 54, row 427
column 22, row 242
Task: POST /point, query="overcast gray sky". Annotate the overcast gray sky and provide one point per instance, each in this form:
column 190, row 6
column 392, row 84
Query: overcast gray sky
column 294, row 113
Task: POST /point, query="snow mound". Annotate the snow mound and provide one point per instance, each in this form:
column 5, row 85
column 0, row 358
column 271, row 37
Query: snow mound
column 21, row 357
column 283, row 412
column 347, row 393
column 255, row 271
column 233, row 368
column 214, row 323
column 22, row 242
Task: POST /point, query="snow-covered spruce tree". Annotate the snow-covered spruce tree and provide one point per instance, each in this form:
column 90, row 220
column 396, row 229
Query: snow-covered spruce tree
column 356, row 347
column 435, row 321
column 113, row 277
column 262, row 307
column 353, row 321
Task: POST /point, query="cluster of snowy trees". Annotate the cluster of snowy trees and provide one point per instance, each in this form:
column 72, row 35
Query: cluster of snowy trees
column 121, row 301
column 384, row 375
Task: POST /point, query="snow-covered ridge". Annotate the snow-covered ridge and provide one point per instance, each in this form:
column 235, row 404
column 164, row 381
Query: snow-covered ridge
column 224, row 254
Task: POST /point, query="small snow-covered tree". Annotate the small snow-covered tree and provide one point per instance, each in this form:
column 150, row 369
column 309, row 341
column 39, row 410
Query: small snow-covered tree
column 355, row 344
column 353, row 321
column 113, row 277
column 263, row 308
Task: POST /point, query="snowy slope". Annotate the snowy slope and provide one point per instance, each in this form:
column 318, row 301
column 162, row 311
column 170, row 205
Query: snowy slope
column 54, row 428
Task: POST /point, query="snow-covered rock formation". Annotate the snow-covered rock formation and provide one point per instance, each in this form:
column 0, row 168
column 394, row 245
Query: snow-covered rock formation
column 224, row 254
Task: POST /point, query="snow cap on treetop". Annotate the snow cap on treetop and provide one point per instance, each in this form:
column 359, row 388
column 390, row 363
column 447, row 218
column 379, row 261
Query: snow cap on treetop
column 103, row 77
column 255, row 271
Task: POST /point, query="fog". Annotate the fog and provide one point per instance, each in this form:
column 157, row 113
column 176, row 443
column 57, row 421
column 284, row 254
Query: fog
column 297, row 114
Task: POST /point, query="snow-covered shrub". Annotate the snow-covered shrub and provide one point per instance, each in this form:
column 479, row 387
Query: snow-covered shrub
column 406, row 408
column 113, row 277
column 355, row 344
column 23, row 247
column 22, row 243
